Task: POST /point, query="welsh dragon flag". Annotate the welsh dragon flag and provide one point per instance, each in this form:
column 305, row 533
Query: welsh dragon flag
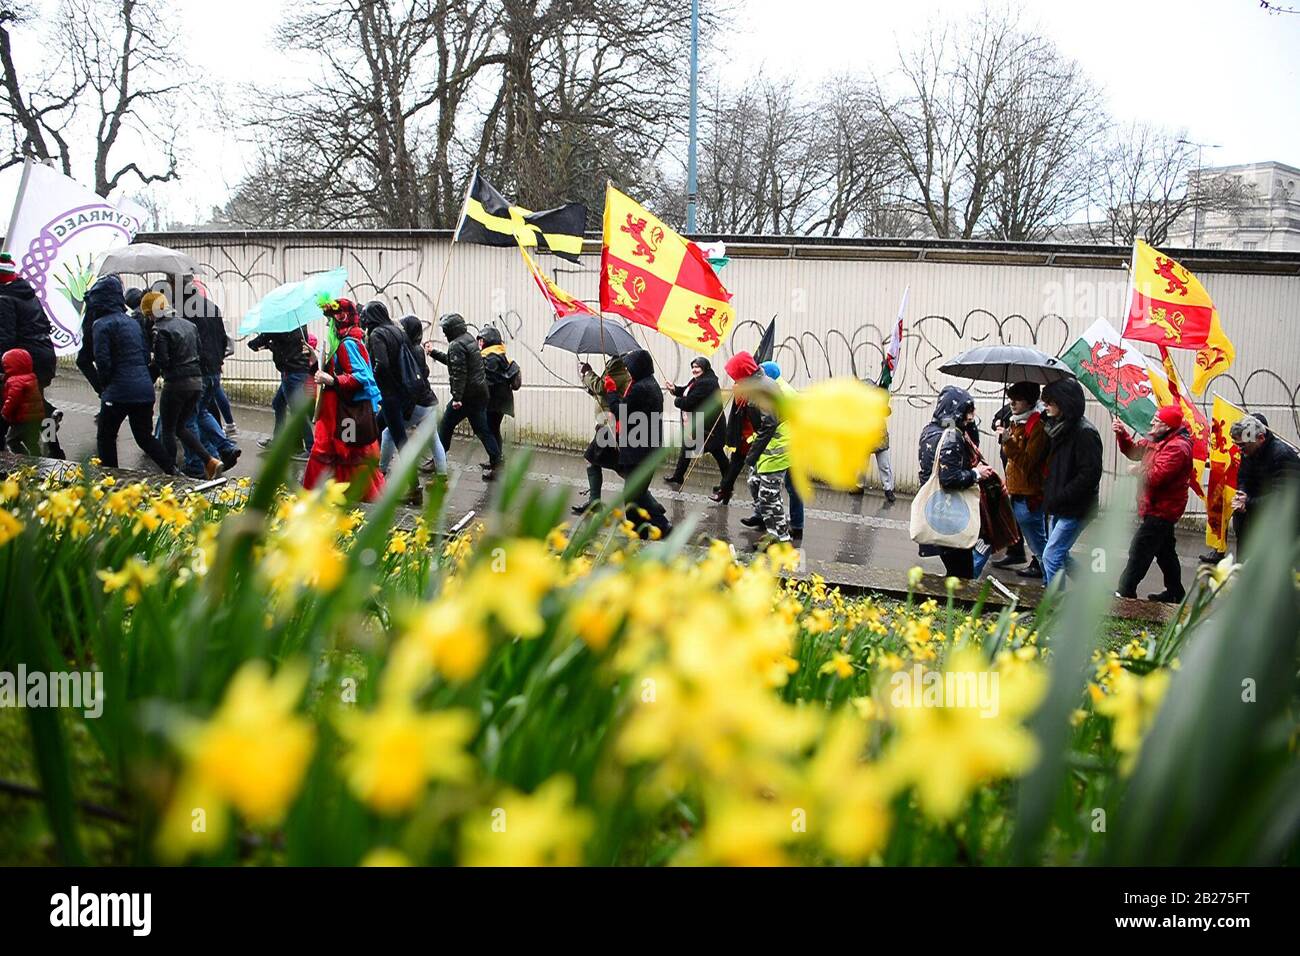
column 1117, row 374
column 1133, row 386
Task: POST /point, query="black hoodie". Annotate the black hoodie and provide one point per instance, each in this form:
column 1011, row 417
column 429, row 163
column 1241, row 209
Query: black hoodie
column 502, row 373
column 638, row 411
column 384, row 341
column 1074, row 463
column 414, row 330
column 23, row 325
column 464, row 362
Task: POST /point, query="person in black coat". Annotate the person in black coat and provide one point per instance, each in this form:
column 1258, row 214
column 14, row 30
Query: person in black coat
column 602, row 450
column 638, row 416
column 423, row 402
column 1074, row 469
column 213, row 340
column 1016, row 553
column 951, row 439
column 121, row 363
column 293, row 359
column 503, row 377
column 24, row 325
column 703, row 428
column 385, row 341
column 469, row 388
column 1269, row 469
column 175, row 358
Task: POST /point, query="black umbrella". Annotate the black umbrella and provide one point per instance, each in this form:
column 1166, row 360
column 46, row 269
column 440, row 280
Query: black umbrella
column 584, row 335
column 1007, row 364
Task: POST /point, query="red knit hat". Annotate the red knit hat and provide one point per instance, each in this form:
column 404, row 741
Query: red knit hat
column 8, row 270
column 1171, row 415
column 741, row 366
column 343, row 312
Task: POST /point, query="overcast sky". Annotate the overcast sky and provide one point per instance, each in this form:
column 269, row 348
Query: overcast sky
column 1223, row 69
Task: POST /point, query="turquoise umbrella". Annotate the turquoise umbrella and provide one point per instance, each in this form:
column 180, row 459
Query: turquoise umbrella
column 294, row 304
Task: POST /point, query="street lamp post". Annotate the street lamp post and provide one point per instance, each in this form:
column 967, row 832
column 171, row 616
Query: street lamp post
column 1196, row 202
column 690, row 149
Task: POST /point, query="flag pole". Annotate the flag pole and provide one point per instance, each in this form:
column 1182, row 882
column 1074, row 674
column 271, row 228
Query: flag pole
column 18, row 202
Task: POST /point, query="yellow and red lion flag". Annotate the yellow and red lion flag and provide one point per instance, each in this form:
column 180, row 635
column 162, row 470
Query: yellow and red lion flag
column 1214, row 357
column 562, row 303
column 653, row 276
column 1168, row 306
column 1225, row 458
column 1169, row 391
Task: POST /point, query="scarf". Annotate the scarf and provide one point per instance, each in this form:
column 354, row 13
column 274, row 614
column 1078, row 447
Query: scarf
column 1055, row 426
column 493, row 350
column 1022, row 417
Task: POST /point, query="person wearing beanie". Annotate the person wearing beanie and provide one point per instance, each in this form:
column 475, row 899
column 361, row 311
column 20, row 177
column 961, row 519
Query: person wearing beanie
column 24, row 325
column 1164, row 465
column 204, row 314
column 1023, row 440
column 703, row 430
column 24, row 405
column 768, row 460
column 176, row 360
column 469, row 389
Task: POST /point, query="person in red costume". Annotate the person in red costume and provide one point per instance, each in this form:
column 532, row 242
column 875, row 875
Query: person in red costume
column 346, row 440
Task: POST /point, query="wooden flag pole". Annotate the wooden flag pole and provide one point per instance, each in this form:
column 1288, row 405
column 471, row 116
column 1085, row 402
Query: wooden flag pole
column 446, row 264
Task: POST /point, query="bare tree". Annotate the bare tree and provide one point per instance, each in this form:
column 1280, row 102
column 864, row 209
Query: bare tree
column 1048, row 125
column 38, row 119
column 133, row 74
column 114, row 70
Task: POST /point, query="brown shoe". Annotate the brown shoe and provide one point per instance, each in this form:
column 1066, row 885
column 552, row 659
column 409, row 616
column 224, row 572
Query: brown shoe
column 214, row 468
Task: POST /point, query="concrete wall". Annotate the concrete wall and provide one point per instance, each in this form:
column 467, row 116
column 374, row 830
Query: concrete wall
column 834, row 301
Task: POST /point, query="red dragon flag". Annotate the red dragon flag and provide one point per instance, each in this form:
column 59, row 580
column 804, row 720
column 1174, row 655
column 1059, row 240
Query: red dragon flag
column 1168, row 306
column 653, row 276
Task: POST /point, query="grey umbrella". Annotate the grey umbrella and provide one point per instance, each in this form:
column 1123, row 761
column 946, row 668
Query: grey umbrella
column 143, row 257
column 1007, row 364
column 582, row 335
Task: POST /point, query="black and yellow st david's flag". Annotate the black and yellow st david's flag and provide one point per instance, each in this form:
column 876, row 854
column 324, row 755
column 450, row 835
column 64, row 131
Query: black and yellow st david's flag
column 490, row 220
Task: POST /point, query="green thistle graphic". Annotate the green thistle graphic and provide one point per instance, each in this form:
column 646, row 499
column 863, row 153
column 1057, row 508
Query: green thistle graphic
column 78, row 277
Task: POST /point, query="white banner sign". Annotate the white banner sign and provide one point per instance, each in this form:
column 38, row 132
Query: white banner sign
column 57, row 231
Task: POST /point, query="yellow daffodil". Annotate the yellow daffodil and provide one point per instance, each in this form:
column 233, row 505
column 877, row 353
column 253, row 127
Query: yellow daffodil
column 1132, row 705
column 540, row 829
column 10, row 527
column 250, row 755
column 394, row 751
column 833, row 428
column 132, row 578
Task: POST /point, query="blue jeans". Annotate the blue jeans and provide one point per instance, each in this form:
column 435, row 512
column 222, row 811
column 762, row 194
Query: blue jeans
column 1061, row 535
column 222, row 404
column 290, row 391
column 796, row 504
column 387, row 446
column 1033, row 525
column 209, row 430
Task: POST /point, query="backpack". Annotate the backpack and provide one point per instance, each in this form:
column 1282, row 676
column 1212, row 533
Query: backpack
column 410, row 380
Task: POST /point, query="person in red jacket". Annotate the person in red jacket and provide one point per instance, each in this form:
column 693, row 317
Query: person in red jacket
column 24, row 405
column 1165, row 466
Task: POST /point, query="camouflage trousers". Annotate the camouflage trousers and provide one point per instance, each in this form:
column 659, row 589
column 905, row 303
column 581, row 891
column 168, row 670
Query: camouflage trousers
column 767, row 490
